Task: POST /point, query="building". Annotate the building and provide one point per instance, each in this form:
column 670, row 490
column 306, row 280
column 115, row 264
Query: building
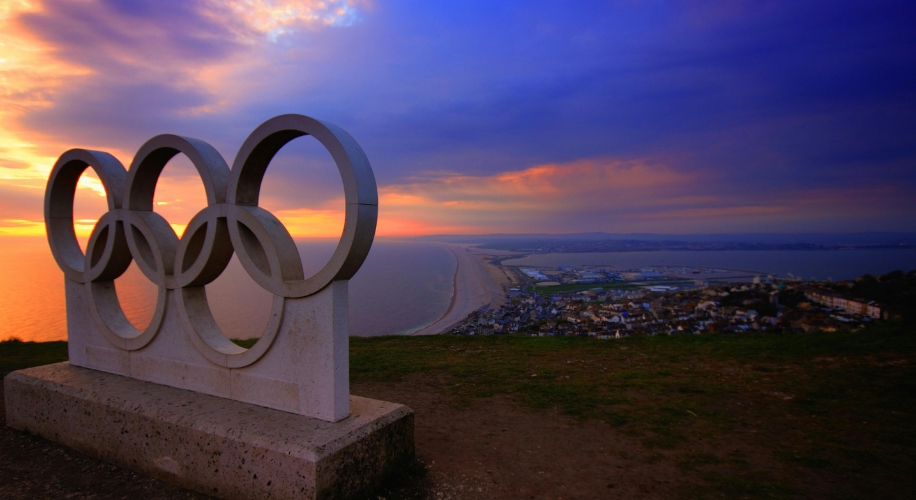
column 846, row 303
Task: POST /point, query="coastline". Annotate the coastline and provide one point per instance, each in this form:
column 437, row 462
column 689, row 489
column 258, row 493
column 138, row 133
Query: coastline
column 474, row 288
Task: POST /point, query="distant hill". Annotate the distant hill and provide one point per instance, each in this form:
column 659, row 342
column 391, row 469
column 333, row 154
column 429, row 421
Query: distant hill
column 598, row 241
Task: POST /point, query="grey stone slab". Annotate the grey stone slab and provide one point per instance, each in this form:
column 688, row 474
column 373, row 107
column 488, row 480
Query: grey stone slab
column 214, row 445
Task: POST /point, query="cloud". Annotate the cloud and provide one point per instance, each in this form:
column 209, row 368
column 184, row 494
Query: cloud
column 482, row 116
column 628, row 196
column 550, row 184
column 542, row 196
column 110, row 74
column 278, row 17
column 134, row 69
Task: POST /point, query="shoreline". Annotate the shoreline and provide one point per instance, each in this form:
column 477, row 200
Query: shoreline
column 473, row 289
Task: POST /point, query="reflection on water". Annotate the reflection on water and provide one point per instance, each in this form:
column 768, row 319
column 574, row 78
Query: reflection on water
column 402, row 287
column 137, row 296
column 241, row 307
column 31, row 291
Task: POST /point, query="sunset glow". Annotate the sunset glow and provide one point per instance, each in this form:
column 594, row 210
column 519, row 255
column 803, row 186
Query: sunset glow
column 484, row 119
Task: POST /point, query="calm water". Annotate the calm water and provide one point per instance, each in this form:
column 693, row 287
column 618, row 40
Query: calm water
column 812, row 264
column 402, row 287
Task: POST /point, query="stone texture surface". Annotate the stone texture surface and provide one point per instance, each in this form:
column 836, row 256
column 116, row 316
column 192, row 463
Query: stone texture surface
column 303, row 349
column 309, row 355
column 214, row 445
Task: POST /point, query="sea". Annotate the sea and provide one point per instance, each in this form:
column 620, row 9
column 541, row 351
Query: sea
column 837, row 265
column 402, row 287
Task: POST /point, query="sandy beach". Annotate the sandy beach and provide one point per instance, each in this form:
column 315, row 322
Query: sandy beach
column 475, row 287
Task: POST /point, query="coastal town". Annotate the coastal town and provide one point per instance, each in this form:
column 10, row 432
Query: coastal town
column 592, row 301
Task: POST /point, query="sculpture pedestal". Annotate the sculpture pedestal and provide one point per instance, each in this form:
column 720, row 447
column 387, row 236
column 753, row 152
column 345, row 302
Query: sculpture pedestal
column 217, row 446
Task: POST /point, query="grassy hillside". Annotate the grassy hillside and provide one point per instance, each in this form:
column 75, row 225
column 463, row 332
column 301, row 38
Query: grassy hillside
column 835, row 407
column 830, row 413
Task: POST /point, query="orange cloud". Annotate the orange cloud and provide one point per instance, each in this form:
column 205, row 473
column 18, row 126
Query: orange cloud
column 29, row 78
column 543, row 184
column 616, row 196
column 33, row 76
column 21, row 228
column 584, row 195
column 312, row 223
column 528, row 199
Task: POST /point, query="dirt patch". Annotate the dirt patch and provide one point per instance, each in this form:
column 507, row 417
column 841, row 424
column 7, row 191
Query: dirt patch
column 490, row 448
column 493, row 448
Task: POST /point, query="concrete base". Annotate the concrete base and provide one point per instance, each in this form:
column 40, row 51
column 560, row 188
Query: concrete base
column 217, row 446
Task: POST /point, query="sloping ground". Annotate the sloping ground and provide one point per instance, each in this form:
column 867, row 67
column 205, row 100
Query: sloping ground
column 756, row 416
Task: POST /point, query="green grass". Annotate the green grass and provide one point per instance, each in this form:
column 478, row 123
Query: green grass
column 840, row 406
column 246, row 343
column 16, row 355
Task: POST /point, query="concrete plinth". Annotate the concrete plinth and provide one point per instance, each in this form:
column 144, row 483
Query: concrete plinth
column 221, row 447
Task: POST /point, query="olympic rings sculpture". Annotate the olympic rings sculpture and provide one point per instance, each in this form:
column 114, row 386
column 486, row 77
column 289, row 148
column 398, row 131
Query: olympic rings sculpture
column 232, row 222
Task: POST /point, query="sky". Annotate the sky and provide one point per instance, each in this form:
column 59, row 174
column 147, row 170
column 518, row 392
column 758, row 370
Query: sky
column 518, row 116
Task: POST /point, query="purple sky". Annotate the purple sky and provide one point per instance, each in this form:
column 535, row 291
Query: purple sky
column 514, row 116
